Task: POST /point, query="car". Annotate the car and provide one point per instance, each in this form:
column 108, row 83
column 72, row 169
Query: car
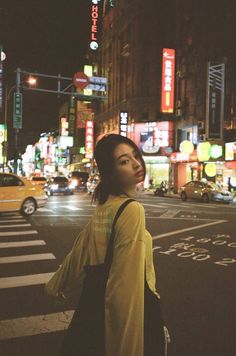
column 39, row 180
column 59, row 184
column 19, row 194
column 205, row 191
column 79, row 180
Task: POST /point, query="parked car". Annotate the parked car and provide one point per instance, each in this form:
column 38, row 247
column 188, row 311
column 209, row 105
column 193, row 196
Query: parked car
column 19, row 194
column 79, row 180
column 39, row 180
column 205, row 191
column 59, row 184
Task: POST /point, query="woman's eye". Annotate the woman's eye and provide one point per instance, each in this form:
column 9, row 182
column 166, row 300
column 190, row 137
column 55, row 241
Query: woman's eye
column 124, row 161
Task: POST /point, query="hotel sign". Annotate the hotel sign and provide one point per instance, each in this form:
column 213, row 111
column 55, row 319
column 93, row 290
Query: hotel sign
column 168, row 80
column 94, row 25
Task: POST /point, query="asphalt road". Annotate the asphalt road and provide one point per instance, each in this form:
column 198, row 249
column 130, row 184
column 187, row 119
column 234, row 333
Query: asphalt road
column 195, row 261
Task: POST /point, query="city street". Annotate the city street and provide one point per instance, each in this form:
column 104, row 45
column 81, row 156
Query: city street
column 195, row 259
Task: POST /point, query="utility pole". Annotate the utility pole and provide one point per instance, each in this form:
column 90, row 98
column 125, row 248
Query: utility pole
column 17, row 94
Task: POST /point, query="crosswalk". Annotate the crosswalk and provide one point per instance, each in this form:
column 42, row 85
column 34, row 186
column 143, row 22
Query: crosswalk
column 20, row 246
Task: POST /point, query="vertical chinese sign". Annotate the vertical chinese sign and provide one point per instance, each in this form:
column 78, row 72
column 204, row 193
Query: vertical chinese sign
column 168, row 80
column 123, row 124
column 215, row 100
column 89, row 139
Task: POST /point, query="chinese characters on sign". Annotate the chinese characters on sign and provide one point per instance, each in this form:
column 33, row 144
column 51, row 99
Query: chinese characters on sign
column 168, row 80
column 89, row 139
column 94, row 25
column 17, row 111
column 215, row 100
column 123, row 123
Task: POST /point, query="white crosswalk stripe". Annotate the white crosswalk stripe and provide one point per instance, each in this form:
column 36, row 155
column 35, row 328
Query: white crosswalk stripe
column 34, row 325
column 23, row 281
column 25, row 258
column 29, row 325
column 18, row 233
column 15, row 225
column 22, row 244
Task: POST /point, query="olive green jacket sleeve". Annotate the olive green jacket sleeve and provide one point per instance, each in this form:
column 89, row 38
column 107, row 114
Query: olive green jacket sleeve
column 124, row 313
column 68, row 279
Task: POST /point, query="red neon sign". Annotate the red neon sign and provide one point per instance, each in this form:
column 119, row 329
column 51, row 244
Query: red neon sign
column 94, row 25
column 89, row 139
column 168, row 80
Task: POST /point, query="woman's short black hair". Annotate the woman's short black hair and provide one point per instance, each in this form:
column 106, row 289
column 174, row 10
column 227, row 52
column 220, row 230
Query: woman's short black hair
column 104, row 157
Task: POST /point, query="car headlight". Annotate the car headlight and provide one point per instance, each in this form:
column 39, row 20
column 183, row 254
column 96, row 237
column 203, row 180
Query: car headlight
column 73, row 184
column 54, row 186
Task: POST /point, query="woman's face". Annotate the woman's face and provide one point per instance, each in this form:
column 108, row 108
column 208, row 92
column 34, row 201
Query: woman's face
column 128, row 167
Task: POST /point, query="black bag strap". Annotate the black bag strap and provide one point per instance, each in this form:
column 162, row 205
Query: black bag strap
column 109, row 253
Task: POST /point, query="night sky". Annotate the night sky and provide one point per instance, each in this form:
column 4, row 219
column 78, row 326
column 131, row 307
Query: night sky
column 44, row 36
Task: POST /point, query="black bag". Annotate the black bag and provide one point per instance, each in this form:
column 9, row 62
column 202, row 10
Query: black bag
column 85, row 334
column 155, row 342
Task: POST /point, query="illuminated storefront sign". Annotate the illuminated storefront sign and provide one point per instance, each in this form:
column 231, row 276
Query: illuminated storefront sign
column 168, row 80
column 94, row 25
column 3, row 138
column 230, row 151
column 89, row 139
column 153, row 137
column 123, row 123
column 64, row 127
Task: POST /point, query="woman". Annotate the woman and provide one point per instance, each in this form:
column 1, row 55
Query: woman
column 121, row 168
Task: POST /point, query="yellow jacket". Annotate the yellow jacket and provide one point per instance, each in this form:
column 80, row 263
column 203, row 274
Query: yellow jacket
column 124, row 303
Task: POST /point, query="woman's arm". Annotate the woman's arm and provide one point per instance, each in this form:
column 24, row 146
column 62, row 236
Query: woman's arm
column 125, row 288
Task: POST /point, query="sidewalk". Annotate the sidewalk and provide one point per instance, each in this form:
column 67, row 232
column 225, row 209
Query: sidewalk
column 172, row 195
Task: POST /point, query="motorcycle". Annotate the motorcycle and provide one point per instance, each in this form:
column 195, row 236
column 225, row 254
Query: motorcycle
column 162, row 190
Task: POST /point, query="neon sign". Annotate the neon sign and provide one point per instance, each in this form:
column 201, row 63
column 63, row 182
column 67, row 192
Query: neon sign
column 89, row 139
column 168, row 80
column 123, row 123
column 94, row 26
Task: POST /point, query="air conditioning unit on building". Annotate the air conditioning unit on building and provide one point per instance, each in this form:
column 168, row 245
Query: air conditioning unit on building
column 178, row 112
column 178, row 103
column 202, row 137
column 201, row 125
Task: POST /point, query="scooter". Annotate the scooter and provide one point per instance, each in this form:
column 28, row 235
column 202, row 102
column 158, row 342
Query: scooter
column 162, row 190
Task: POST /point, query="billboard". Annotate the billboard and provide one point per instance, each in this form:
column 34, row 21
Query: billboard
column 153, row 137
column 168, row 80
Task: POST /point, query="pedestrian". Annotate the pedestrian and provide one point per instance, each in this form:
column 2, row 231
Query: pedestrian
column 133, row 324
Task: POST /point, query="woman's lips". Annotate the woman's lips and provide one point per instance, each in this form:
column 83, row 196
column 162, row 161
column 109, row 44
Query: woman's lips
column 139, row 173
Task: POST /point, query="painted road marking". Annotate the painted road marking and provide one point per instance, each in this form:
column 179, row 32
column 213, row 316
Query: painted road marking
column 11, row 220
column 35, row 325
column 18, row 233
column 44, row 209
column 71, row 208
column 26, row 258
column 23, row 281
column 170, row 213
column 171, row 233
column 15, row 225
column 22, row 244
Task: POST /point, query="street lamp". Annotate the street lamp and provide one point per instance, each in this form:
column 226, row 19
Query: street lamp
column 32, row 81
